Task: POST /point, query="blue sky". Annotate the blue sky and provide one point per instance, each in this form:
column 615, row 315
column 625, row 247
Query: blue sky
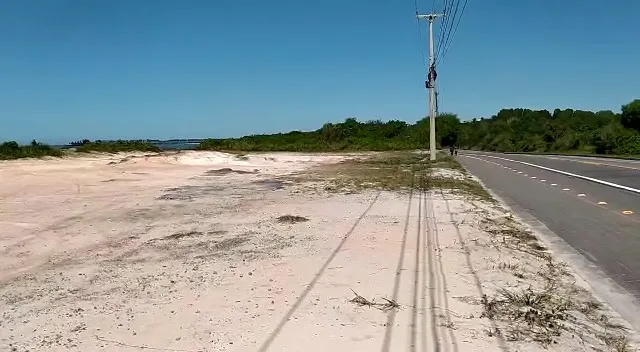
column 72, row 69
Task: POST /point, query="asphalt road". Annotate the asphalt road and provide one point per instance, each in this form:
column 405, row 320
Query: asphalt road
column 600, row 221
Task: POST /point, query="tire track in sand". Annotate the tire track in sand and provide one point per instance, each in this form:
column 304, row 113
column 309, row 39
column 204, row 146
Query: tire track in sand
column 391, row 315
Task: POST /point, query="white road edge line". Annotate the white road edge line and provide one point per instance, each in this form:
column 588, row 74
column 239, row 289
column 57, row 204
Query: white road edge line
column 606, row 183
column 588, row 254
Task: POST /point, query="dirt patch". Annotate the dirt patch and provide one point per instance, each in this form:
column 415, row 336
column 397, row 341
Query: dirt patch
column 120, row 180
column 179, row 235
column 192, row 192
column 226, row 171
column 121, row 161
column 273, row 185
column 292, row 219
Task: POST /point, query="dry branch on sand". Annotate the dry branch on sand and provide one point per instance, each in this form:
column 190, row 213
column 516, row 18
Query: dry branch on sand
column 388, row 304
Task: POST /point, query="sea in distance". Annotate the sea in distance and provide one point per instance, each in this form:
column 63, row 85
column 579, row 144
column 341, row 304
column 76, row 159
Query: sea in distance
column 173, row 144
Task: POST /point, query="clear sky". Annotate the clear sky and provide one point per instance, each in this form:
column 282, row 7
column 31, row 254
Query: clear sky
column 72, row 69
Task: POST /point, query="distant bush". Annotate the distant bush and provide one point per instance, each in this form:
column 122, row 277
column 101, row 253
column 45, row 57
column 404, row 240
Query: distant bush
column 117, row 147
column 12, row 150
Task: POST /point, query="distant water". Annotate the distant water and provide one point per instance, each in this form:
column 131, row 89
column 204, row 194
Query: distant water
column 164, row 145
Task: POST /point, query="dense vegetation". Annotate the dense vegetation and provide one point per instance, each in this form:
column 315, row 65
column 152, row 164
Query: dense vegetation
column 523, row 130
column 12, row 150
column 116, row 146
column 511, row 130
column 348, row 135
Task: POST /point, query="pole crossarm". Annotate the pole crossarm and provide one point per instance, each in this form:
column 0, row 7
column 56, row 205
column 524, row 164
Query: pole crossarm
column 431, row 16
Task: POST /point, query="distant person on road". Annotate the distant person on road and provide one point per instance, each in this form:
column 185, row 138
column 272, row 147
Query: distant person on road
column 451, row 149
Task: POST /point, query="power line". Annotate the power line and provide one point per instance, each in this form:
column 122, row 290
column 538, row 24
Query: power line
column 443, row 27
column 452, row 34
column 451, row 16
column 455, row 30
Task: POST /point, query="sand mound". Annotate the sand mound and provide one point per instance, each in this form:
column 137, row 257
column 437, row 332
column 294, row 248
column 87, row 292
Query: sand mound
column 206, row 158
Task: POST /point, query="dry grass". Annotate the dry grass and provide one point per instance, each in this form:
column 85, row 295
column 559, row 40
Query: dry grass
column 617, row 342
column 466, row 187
column 552, row 304
column 539, row 315
column 394, row 171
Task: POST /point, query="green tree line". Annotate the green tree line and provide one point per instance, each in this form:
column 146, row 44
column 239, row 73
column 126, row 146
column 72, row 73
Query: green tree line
column 510, row 130
column 524, row 130
column 350, row 135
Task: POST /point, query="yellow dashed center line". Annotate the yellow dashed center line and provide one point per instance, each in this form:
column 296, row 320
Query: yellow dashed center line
column 624, row 212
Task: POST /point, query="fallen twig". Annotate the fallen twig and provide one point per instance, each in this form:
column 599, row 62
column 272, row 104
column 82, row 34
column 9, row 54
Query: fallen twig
column 143, row 347
column 387, row 305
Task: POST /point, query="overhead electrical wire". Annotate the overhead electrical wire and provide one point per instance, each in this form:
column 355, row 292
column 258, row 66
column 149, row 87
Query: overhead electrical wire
column 446, row 25
column 443, row 25
column 451, row 29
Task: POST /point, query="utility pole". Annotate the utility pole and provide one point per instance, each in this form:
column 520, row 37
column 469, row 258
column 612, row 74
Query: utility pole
column 431, row 85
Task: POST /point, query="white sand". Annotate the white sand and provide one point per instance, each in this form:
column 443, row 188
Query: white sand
column 122, row 253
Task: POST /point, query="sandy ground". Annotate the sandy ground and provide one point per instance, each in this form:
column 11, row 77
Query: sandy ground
column 185, row 252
